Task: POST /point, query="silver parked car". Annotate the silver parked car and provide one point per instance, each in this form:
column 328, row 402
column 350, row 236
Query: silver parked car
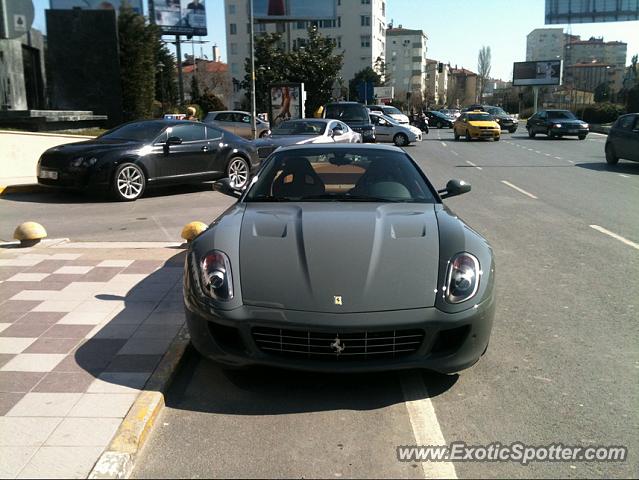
column 306, row 130
column 388, row 130
column 237, row 122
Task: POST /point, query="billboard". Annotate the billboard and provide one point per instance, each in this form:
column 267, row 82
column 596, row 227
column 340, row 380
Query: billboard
column 286, row 102
column 591, row 11
column 179, row 17
column 384, row 93
column 96, row 5
column 546, row 72
column 292, row 10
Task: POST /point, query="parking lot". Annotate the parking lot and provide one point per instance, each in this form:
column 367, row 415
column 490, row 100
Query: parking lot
column 562, row 365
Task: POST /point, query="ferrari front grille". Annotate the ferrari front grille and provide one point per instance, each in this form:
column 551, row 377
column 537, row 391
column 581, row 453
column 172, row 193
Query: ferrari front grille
column 337, row 346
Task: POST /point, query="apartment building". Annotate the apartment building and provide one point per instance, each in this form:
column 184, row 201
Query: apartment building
column 591, row 62
column 436, row 83
column 545, row 44
column 406, row 63
column 462, row 87
column 358, row 31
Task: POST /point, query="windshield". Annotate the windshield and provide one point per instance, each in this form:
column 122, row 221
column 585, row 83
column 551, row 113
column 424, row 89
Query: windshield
column 390, row 120
column 354, row 175
column 138, row 131
column 496, row 110
column 306, row 127
column 347, row 112
column 392, row 111
column 479, row 117
column 562, row 115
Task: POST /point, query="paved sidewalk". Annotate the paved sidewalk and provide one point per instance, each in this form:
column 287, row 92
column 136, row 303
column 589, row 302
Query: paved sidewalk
column 81, row 331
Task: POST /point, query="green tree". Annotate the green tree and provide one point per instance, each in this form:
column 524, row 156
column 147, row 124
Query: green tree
column 602, row 92
column 317, row 66
column 165, row 78
column 195, row 89
column 313, row 64
column 138, row 63
column 270, row 67
column 365, row 75
column 209, row 102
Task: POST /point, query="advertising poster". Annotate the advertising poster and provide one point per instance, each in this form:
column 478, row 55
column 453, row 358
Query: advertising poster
column 96, row 5
column 273, row 10
column 537, row 73
column 287, row 102
column 179, row 17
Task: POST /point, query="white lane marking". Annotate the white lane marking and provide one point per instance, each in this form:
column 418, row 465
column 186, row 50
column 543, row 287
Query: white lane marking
column 472, row 164
column 520, row 190
column 547, row 154
column 530, row 150
column 624, row 176
column 558, row 158
column 426, row 429
column 598, row 134
column 444, row 144
column 537, row 151
column 454, row 153
column 615, row 236
column 571, row 161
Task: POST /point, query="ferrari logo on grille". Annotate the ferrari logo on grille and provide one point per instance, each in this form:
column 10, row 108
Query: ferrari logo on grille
column 338, row 300
column 337, row 346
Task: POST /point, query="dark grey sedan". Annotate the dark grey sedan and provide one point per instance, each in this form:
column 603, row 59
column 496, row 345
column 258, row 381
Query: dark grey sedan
column 557, row 124
column 340, row 257
column 623, row 139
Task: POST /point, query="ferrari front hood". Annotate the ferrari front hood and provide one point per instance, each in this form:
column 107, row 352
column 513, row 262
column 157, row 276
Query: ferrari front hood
column 339, row 257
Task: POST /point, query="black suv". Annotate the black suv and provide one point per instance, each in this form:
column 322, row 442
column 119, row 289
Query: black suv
column 505, row 121
column 353, row 114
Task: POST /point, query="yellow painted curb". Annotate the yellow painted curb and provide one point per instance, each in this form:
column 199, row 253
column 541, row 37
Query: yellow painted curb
column 119, row 458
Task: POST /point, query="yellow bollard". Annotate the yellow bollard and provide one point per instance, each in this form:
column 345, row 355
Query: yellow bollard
column 29, row 233
column 192, row 230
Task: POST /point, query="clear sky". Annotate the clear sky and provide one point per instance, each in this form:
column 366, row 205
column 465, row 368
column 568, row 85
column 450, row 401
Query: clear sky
column 456, row 29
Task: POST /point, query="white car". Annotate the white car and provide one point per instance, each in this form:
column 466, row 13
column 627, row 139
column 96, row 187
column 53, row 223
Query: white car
column 390, row 111
column 389, row 130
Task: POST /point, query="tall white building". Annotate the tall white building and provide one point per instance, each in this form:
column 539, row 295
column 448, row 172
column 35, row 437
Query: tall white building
column 359, row 32
column 406, row 63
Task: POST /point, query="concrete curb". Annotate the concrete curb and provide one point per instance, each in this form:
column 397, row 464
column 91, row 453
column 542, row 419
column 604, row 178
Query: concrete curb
column 600, row 129
column 119, row 458
column 24, row 188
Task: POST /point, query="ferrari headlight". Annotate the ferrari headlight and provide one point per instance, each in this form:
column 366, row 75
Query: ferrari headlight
column 216, row 277
column 462, row 279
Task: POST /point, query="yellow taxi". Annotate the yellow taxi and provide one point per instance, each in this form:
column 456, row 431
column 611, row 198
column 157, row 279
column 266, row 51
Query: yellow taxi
column 476, row 124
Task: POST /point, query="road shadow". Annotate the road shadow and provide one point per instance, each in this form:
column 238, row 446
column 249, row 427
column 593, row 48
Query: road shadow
column 543, row 137
column 55, row 196
column 626, row 168
column 127, row 348
column 204, row 386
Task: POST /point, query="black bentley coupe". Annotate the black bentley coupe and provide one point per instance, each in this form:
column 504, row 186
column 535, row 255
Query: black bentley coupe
column 131, row 157
column 340, row 257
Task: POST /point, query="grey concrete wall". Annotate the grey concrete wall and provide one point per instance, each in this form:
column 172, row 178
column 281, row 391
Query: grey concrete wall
column 13, row 95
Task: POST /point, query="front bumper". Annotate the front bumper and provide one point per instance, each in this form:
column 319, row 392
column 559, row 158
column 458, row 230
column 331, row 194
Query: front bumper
column 449, row 343
column 485, row 133
column 568, row 131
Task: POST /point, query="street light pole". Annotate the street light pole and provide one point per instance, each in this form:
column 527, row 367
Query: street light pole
column 253, row 100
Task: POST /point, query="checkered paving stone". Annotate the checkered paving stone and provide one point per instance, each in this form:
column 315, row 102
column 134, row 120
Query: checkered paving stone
column 79, row 338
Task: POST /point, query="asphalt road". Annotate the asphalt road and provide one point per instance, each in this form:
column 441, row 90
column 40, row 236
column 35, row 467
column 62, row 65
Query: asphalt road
column 562, row 366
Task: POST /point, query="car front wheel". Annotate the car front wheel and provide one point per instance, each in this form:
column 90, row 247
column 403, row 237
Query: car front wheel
column 531, row 134
column 455, row 134
column 611, row 156
column 468, row 137
column 238, row 172
column 440, row 125
column 128, row 182
column 400, row 140
column 582, row 137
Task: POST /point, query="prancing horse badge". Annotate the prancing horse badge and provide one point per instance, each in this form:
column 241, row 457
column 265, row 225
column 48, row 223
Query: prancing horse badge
column 338, row 300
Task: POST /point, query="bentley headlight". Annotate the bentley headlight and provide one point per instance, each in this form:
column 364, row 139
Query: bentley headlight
column 462, row 279
column 76, row 162
column 216, row 277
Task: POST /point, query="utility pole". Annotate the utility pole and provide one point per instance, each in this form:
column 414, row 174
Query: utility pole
column 178, row 54
column 253, row 100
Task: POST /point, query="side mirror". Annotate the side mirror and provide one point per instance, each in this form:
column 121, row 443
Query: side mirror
column 336, row 132
column 454, row 188
column 224, row 186
column 174, row 141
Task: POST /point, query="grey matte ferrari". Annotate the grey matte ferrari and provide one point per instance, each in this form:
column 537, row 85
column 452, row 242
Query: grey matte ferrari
column 340, row 258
